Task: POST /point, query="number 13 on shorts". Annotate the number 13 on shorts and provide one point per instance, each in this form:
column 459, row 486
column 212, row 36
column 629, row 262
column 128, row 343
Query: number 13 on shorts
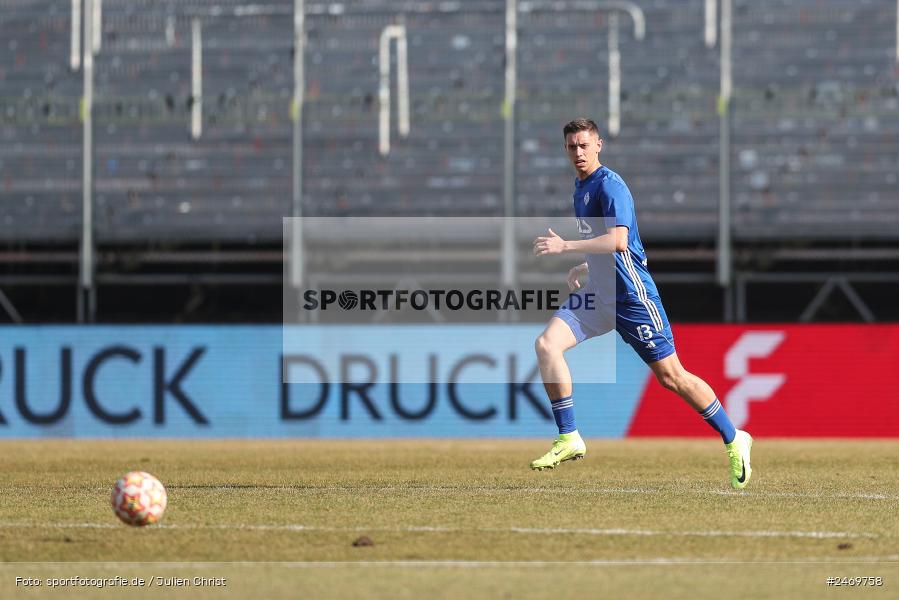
column 644, row 332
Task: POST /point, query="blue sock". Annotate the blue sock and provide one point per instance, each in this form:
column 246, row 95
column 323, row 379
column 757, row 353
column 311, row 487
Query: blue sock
column 563, row 412
column 716, row 416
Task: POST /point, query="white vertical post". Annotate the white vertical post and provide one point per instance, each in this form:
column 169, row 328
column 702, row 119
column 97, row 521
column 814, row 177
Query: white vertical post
column 402, row 81
column 509, row 259
column 196, row 79
column 86, row 264
column 724, row 266
column 397, row 32
column 726, row 38
column 296, row 225
column 384, row 90
column 170, row 31
column 614, row 77
column 711, row 22
column 75, row 47
column 97, row 16
column 897, row 30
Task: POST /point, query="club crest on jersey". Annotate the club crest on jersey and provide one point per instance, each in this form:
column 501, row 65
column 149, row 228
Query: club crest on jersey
column 586, row 198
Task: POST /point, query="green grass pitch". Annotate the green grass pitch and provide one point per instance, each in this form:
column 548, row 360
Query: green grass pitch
column 456, row 519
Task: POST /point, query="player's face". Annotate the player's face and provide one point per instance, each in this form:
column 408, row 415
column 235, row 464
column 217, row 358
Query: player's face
column 583, row 148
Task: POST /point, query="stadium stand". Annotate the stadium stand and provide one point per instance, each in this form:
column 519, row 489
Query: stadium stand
column 815, row 113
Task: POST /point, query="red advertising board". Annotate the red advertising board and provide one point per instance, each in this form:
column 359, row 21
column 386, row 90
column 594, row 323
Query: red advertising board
column 784, row 380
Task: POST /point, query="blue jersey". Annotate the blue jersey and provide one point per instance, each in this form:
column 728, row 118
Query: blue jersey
column 602, row 200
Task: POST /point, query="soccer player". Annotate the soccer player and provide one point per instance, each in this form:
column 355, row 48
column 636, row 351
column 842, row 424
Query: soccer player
column 604, row 210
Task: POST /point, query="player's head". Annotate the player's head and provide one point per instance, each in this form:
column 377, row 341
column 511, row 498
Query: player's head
column 583, row 145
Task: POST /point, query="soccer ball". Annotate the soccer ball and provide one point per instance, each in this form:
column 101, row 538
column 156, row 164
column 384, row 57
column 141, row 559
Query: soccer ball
column 139, row 499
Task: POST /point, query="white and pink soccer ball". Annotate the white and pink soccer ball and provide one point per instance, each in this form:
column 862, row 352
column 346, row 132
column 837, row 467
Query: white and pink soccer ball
column 139, row 499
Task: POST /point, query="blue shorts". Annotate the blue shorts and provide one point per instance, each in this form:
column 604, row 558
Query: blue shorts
column 641, row 323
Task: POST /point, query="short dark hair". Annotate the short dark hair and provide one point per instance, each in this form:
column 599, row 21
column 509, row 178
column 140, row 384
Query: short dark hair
column 582, row 124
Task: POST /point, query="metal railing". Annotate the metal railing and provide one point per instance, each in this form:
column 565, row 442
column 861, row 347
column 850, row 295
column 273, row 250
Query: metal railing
column 82, row 54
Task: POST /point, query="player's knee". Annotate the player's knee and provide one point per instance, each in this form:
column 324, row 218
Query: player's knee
column 544, row 348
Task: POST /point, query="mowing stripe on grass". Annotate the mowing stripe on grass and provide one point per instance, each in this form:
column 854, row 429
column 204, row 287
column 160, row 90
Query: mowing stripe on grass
column 509, row 489
column 451, row 563
column 557, row 490
column 440, row 529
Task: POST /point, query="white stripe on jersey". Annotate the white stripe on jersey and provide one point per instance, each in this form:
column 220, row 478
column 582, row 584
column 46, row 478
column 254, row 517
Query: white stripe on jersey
column 655, row 310
column 638, row 285
column 641, row 291
column 651, row 306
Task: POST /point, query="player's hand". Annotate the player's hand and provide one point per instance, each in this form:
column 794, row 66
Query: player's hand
column 550, row 244
column 575, row 275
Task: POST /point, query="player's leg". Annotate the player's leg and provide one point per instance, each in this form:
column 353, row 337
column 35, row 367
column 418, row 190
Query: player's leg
column 550, row 348
column 644, row 325
column 672, row 375
column 698, row 394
